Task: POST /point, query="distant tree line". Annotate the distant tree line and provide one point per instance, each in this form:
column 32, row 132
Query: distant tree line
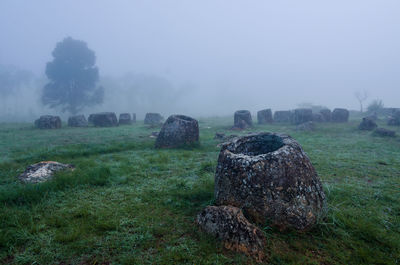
column 12, row 79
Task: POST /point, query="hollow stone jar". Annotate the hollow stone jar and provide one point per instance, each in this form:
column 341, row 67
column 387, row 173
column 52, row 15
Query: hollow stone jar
column 271, row 178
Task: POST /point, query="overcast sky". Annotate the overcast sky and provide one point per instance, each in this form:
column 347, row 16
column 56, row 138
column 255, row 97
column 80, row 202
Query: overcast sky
column 253, row 53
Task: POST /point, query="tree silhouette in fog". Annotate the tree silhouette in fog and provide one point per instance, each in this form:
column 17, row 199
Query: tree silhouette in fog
column 73, row 77
column 13, row 79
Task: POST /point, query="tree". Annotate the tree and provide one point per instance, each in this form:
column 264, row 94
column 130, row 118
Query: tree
column 361, row 97
column 73, row 77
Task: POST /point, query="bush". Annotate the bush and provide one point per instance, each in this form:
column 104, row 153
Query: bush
column 375, row 106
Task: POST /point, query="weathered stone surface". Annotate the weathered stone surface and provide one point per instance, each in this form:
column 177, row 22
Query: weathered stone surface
column 384, row 132
column 318, row 117
column 242, row 119
column 283, row 116
column 133, row 117
column 340, row 115
column 48, row 122
column 367, row 124
column 178, row 130
column 77, row 121
column 125, row 119
column 302, row 115
column 271, row 178
column 327, row 114
column 228, row 224
column 104, row 119
column 153, row 119
column 307, row 126
column 42, row 171
column 394, row 118
column 264, row 116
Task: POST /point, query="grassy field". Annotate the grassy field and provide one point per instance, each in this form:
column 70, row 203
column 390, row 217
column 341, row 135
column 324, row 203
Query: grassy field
column 128, row 203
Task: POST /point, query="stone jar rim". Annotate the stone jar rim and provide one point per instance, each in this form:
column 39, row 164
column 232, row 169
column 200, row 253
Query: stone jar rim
column 235, row 147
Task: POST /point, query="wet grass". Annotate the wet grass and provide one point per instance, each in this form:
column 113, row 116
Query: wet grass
column 128, row 203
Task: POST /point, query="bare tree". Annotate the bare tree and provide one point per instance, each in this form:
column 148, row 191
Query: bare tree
column 361, row 97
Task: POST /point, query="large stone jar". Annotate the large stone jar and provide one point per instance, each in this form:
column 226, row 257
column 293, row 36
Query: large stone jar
column 242, row 119
column 177, row 131
column 271, row 178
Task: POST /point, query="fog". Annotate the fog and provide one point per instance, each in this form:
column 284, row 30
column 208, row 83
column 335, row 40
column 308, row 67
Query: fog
column 208, row 57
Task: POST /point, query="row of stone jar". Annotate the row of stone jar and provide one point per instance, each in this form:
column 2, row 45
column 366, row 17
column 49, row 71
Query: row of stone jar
column 102, row 119
column 243, row 119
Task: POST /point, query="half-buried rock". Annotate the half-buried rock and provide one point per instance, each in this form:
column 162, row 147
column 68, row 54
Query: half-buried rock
column 228, row 224
column 153, row 118
column 177, row 131
column 272, row 179
column 367, row 124
column 77, row 121
column 242, row 119
column 42, row 171
column 104, row 119
column 125, row 119
column 48, row 122
column 384, row 132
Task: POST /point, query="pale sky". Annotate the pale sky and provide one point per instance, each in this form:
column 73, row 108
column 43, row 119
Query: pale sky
column 250, row 54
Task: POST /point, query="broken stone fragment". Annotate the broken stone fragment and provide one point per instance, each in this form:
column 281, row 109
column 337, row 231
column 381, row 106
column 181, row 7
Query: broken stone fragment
column 42, row 171
column 228, row 224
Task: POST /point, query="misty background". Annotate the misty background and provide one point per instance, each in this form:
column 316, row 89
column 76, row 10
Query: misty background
column 208, row 57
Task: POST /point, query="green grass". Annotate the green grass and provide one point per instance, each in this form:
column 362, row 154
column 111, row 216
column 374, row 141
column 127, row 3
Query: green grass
column 129, row 203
